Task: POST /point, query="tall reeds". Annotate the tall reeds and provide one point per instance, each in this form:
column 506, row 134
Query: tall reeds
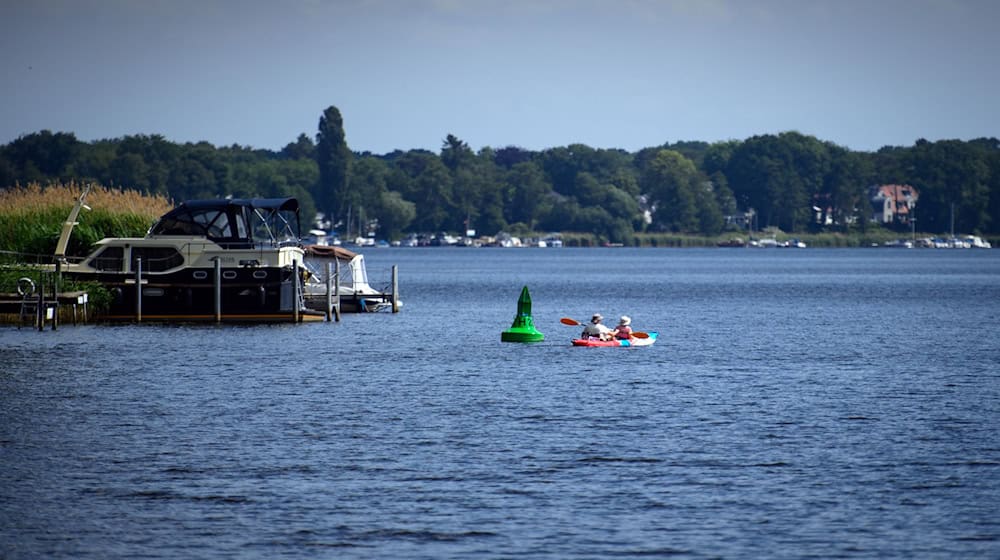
column 31, row 217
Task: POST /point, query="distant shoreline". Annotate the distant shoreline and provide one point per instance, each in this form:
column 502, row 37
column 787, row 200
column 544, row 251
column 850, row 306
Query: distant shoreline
column 875, row 239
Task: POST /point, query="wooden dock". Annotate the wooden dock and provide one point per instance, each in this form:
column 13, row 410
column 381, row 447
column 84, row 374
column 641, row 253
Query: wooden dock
column 38, row 311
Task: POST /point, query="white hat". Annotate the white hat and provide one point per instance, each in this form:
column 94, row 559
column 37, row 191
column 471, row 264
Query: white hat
column 597, row 317
column 625, row 320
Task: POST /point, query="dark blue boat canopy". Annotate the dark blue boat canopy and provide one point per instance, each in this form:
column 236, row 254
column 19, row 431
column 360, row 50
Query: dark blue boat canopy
column 280, row 204
column 233, row 220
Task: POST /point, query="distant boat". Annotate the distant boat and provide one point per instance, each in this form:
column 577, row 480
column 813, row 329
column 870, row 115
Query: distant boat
column 552, row 240
column 734, row 242
column 899, row 244
column 976, row 242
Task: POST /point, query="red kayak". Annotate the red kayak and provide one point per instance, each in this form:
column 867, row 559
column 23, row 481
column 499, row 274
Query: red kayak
column 616, row 342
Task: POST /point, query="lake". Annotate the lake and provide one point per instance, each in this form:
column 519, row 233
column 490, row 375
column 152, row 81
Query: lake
column 827, row 403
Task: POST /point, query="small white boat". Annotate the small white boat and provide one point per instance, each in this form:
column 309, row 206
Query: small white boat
column 976, row 242
column 356, row 295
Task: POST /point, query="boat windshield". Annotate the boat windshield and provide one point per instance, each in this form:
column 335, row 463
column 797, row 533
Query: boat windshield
column 317, row 267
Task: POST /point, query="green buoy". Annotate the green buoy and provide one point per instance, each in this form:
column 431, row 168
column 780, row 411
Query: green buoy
column 523, row 329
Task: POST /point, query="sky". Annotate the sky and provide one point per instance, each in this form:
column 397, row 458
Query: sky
column 536, row 74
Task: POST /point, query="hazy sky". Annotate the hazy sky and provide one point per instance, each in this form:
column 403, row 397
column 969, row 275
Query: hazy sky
column 531, row 73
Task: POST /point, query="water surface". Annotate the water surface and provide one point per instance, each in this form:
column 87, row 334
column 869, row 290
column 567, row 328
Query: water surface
column 799, row 403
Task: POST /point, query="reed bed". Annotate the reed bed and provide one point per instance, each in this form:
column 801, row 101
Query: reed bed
column 37, row 197
column 31, row 216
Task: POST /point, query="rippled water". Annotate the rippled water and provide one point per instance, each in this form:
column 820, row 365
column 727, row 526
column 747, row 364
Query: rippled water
column 799, row 403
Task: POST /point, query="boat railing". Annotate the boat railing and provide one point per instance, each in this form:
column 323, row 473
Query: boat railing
column 18, row 258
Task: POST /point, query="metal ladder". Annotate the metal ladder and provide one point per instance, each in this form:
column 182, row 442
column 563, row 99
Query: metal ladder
column 29, row 301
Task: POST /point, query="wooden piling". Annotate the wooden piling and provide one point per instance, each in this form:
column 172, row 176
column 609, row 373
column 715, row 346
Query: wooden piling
column 218, row 290
column 395, row 289
column 138, row 290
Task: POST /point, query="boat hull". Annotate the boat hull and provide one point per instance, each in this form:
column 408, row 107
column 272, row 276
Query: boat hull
column 616, row 343
column 351, row 303
column 355, row 293
column 189, row 295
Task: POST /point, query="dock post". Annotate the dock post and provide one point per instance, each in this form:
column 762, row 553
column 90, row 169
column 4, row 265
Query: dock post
column 329, row 292
column 55, row 295
column 138, row 290
column 336, row 289
column 218, row 289
column 296, row 278
column 40, row 310
column 395, row 289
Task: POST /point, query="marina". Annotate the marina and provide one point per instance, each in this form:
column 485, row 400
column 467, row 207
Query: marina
column 225, row 260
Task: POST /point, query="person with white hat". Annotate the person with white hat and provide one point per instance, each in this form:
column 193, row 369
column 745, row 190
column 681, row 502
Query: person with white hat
column 595, row 329
column 623, row 330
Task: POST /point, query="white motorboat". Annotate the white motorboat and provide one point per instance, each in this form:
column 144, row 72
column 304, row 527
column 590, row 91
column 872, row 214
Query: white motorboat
column 206, row 260
column 355, row 294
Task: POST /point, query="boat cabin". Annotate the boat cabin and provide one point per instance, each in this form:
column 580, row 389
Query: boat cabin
column 221, row 260
column 240, row 232
column 234, row 223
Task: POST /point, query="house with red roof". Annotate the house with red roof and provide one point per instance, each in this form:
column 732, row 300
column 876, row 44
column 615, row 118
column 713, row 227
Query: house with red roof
column 893, row 204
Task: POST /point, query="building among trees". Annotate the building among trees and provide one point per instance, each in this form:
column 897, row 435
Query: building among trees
column 893, row 204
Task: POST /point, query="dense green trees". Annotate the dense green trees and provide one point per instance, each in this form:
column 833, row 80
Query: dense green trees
column 789, row 180
column 952, row 177
column 527, row 196
column 777, row 175
column 333, row 194
column 669, row 180
column 840, row 197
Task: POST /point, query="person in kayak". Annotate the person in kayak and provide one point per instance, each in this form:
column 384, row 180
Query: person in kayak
column 624, row 330
column 596, row 330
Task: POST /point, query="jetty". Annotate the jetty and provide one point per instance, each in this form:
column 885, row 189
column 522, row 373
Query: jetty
column 33, row 305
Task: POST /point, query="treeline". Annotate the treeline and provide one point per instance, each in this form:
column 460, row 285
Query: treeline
column 791, row 181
